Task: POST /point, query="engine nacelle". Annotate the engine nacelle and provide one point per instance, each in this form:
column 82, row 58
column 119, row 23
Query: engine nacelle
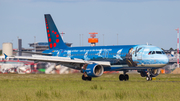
column 153, row 73
column 94, row 70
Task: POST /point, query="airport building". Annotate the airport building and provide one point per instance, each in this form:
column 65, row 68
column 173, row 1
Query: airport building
column 21, row 66
column 34, row 47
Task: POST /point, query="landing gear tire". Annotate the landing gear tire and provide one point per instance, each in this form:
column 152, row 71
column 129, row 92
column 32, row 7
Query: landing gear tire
column 123, row 77
column 126, row 77
column 149, row 78
column 89, row 78
column 83, row 77
column 86, row 78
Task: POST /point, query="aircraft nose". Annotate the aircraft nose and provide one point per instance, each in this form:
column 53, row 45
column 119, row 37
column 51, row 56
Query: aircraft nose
column 165, row 59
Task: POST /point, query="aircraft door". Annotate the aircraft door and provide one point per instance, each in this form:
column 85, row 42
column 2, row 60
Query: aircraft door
column 139, row 53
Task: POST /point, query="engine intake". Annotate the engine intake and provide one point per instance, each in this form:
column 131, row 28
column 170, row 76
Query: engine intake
column 94, row 70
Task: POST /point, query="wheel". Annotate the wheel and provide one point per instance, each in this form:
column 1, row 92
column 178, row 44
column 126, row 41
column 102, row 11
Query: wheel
column 148, row 78
column 121, row 77
column 89, row 78
column 151, row 78
column 83, row 77
column 126, row 77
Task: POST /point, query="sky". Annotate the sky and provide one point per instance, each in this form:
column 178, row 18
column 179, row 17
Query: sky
column 122, row 22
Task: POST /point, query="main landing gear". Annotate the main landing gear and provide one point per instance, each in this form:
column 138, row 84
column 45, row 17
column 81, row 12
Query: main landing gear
column 124, row 76
column 86, row 78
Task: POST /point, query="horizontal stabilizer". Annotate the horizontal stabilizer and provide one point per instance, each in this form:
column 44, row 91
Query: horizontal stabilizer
column 38, row 53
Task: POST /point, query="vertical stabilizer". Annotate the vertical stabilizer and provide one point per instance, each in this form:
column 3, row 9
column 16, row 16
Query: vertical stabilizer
column 54, row 39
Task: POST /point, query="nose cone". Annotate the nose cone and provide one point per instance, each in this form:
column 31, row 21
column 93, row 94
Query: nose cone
column 165, row 59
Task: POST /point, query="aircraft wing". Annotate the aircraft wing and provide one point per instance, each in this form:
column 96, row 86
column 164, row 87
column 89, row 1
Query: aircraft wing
column 62, row 60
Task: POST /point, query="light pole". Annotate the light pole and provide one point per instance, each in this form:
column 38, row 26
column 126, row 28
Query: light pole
column 117, row 39
column 34, row 43
column 82, row 39
column 177, row 47
column 103, row 39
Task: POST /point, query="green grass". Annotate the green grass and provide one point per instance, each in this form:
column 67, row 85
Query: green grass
column 70, row 87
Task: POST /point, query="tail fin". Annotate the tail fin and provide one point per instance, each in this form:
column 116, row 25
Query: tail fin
column 54, row 39
column 5, row 56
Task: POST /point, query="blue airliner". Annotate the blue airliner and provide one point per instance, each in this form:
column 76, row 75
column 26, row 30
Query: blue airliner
column 94, row 60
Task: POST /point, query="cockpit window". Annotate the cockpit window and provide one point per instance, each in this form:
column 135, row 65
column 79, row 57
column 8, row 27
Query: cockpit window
column 158, row 52
column 149, row 53
column 153, row 52
column 163, row 52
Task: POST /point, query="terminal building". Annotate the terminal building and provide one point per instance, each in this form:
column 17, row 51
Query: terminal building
column 35, row 47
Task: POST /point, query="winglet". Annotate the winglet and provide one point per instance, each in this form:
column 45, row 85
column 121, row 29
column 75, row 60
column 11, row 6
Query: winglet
column 5, row 56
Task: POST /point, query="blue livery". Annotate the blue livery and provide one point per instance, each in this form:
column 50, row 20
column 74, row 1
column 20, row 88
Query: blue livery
column 146, row 59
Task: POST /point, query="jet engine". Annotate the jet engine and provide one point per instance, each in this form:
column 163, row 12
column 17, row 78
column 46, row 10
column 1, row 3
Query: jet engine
column 94, row 70
column 153, row 73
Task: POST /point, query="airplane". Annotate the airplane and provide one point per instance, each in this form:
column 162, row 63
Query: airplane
column 92, row 61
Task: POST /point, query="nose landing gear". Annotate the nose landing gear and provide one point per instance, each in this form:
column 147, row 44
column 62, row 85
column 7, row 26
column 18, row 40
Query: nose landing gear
column 148, row 78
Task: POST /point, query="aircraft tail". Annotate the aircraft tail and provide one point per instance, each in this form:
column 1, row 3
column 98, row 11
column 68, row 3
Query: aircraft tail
column 54, row 39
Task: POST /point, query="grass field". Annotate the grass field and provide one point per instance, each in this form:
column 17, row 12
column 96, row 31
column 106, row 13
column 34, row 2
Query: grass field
column 70, row 87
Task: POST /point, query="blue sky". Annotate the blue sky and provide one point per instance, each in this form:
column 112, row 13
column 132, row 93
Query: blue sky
column 135, row 21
